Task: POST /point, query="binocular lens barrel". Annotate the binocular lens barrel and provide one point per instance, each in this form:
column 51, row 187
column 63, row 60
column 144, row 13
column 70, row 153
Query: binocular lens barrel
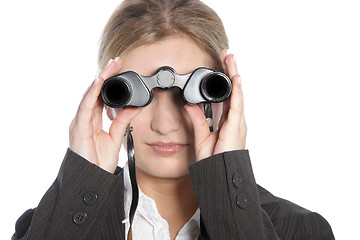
column 216, row 87
column 116, row 92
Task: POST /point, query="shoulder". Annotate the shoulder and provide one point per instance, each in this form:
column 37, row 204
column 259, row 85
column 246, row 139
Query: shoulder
column 292, row 221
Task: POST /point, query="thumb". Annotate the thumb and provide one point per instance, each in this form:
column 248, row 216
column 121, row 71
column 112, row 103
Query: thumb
column 119, row 124
column 201, row 127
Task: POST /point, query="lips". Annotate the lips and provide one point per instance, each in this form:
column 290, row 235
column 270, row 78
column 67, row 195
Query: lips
column 167, row 148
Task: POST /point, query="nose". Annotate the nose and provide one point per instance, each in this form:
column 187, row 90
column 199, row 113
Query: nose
column 167, row 112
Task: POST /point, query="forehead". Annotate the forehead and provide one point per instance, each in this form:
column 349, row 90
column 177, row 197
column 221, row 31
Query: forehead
column 178, row 51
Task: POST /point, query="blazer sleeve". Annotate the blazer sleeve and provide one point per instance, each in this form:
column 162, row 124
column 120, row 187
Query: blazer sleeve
column 75, row 205
column 231, row 206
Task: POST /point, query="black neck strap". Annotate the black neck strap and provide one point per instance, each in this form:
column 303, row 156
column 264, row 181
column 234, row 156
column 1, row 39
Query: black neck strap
column 132, row 173
column 132, row 166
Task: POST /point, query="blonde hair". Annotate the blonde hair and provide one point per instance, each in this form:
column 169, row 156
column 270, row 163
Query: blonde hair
column 138, row 22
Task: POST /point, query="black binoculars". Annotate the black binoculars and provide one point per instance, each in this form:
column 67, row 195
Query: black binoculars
column 131, row 89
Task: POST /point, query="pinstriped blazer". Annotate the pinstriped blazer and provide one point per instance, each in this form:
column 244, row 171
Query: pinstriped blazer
column 232, row 205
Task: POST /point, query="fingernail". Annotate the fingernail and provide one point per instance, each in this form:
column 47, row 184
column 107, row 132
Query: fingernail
column 116, row 59
column 109, row 62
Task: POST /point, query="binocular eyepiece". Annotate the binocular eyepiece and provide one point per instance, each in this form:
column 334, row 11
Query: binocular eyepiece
column 132, row 89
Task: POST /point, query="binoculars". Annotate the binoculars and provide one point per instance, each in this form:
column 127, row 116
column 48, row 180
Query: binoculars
column 130, row 89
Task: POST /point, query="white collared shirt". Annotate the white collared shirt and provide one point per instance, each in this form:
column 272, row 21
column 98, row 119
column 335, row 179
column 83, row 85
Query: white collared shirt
column 148, row 224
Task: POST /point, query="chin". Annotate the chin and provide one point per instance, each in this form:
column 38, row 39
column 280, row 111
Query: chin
column 165, row 167
column 170, row 174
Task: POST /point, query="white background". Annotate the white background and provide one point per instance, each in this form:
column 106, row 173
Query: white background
column 300, row 65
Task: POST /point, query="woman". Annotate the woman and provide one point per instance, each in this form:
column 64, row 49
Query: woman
column 193, row 183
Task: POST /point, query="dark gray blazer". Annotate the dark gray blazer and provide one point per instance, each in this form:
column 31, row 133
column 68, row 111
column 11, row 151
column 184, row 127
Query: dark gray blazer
column 86, row 202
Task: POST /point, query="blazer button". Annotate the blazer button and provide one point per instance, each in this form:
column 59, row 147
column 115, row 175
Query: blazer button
column 90, row 198
column 241, row 201
column 79, row 218
column 236, row 179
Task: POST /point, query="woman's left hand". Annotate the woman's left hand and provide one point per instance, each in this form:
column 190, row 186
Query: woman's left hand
column 231, row 134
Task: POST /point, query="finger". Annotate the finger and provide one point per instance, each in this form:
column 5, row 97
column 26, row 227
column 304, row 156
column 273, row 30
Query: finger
column 243, row 132
column 225, row 111
column 90, row 102
column 223, row 55
column 231, row 65
column 97, row 115
column 109, row 71
column 112, row 67
column 227, row 103
column 233, row 107
column 104, row 72
column 118, row 126
column 201, row 126
column 118, row 62
column 100, row 104
column 75, row 120
column 236, row 102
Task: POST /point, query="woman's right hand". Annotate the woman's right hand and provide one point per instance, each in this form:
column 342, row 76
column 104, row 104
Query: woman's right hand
column 86, row 136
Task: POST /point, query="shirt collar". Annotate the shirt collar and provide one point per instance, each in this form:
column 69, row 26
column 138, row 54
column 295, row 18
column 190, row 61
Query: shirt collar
column 148, row 204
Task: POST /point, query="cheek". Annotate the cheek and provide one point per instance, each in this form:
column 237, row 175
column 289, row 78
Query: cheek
column 140, row 130
column 187, row 123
